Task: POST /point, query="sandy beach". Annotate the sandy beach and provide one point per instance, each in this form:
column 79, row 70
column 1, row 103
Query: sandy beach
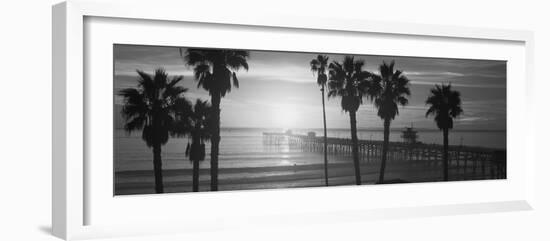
column 179, row 180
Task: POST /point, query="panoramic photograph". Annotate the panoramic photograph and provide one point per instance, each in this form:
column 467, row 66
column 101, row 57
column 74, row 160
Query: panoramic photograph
column 190, row 119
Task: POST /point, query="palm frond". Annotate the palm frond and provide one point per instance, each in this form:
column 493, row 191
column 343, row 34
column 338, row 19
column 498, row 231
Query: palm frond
column 444, row 104
column 315, row 65
column 214, row 69
column 349, row 81
column 322, row 79
column 393, row 88
column 201, row 71
column 236, row 62
column 235, row 80
column 195, row 56
column 135, row 123
column 152, row 106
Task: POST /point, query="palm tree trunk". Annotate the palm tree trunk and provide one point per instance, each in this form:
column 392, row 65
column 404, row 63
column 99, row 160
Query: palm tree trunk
column 215, row 142
column 384, row 150
column 195, row 143
column 353, row 123
column 195, row 175
column 157, row 167
column 445, row 154
column 325, row 132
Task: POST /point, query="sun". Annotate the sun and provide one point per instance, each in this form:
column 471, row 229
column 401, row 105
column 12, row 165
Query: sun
column 284, row 116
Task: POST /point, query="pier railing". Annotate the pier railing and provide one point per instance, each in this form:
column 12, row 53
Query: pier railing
column 469, row 161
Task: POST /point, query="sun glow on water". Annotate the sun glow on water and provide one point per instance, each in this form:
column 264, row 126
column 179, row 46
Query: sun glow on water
column 285, row 163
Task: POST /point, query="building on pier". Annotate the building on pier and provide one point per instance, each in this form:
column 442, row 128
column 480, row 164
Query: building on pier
column 409, row 135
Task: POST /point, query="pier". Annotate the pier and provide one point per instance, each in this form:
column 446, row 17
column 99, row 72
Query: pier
column 464, row 162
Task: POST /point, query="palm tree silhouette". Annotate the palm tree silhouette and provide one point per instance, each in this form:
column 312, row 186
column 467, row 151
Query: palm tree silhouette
column 319, row 66
column 215, row 71
column 393, row 87
column 151, row 108
column 195, row 122
column 349, row 81
column 445, row 105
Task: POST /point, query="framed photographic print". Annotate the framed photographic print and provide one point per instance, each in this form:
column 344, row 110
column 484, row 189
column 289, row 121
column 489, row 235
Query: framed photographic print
column 179, row 130
column 287, row 127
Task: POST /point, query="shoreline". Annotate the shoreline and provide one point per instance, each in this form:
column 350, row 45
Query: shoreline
column 312, row 175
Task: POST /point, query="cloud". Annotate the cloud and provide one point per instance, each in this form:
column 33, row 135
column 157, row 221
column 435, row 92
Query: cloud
column 433, row 73
column 469, row 119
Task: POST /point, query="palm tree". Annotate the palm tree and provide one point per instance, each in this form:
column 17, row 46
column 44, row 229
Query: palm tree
column 349, row 81
column 445, row 105
column 194, row 121
column 200, row 132
column 215, row 71
column 392, row 91
column 319, row 66
column 151, row 108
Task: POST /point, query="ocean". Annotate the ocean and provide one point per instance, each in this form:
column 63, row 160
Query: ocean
column 243, row 147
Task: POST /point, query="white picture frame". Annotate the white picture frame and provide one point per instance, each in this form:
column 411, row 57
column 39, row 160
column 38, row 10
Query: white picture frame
column 73, row 195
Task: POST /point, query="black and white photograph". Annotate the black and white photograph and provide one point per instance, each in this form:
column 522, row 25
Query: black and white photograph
column 275, row 120
column 191, row 119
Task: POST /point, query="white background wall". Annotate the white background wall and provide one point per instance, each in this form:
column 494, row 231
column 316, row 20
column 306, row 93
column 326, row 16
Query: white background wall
column 25, row 119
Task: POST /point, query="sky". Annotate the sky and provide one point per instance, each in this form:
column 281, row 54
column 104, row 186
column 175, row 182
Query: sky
column 280, row 91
